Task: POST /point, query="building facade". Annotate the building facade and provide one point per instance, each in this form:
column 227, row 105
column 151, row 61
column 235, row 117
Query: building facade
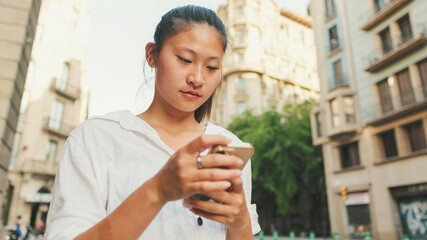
column 18, row 21
column 371, row 120
column 270, row 60
column 54, row 102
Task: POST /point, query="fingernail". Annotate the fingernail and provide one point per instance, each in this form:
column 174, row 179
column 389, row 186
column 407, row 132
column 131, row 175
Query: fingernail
column 186, row 204
column 227, row 184
column 238, row 173
column 240, row 161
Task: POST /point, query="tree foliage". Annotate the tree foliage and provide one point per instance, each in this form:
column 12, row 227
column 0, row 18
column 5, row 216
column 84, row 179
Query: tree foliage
column 286, row 168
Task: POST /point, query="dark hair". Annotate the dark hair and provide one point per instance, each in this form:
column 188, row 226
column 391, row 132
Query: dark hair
column 179, row 19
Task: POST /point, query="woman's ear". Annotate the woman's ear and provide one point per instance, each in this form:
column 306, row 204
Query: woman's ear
column 150, row 54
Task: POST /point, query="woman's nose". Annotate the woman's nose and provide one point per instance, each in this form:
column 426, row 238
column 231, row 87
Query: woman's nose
column 195, row 77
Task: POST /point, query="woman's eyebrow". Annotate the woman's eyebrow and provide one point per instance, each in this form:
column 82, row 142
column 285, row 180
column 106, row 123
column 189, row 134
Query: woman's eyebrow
column 191, row 51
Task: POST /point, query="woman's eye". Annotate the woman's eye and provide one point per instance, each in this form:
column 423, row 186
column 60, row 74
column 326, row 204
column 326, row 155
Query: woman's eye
column 184, row 60
column 213, row 68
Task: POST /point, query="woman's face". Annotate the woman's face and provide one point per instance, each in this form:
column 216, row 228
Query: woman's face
column 188, row 68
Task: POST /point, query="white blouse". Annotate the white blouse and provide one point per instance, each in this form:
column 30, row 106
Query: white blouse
column 108, row 157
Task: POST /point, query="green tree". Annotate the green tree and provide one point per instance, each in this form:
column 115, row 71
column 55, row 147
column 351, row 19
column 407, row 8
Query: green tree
column 287, row 171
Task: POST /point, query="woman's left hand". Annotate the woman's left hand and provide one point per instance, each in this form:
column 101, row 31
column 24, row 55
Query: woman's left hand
column 229, row 208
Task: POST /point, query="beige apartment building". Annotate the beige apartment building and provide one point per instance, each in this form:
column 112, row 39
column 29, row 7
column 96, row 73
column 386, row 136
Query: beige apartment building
column 18, row 21
column 54, row 102
column 270, row 61
column 371, row 120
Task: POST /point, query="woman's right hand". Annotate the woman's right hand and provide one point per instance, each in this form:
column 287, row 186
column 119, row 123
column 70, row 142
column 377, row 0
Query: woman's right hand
column 180, row 177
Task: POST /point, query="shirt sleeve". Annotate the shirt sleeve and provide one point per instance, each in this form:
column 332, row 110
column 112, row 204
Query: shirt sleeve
column 77, row 202
column 247, row 186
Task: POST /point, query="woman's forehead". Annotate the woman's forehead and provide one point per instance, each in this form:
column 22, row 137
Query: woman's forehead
column 196, row 39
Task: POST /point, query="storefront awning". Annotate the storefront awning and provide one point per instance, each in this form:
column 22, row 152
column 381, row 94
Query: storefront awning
column 39, row 198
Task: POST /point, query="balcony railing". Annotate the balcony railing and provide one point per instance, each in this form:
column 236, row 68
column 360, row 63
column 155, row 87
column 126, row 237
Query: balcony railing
column 40, row 166
column 402, row 106
column 404, row 48
column 57, row 127
column 69, row 92
column 380, row 15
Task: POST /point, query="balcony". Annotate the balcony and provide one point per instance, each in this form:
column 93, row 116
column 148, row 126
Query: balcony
column 57, row 127
column 408, row 45
column 403, row 110
column 70, row 92
column 40, row 166
column 242, row 67
column 381, row 14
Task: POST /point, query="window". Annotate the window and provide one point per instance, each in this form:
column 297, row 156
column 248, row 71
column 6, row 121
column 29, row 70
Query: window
column 349, row 154
column 333, row 38
column 385, row 96
column 335, row 113
column 241, row 57
column 62, row 82
column 422, row 67
column 56, row 115
column 51, row 151
column 379, row 4
column 349, row 111
column 15, row 150
column 318, row 124
column 415, row 133
column 405, row 87
column 330, row 8
column 338, row 74
column 359, row 220
column 240, row 36
column 239, row 11
column 30, row 73
column 388, row 141
column 405, row 29
column 241, row 107
column 386, row 42
column 241, row 84
column 24, row 107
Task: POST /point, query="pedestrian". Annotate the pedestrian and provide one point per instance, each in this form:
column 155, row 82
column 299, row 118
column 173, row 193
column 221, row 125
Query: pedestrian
column 123, row 176
column 18, row 227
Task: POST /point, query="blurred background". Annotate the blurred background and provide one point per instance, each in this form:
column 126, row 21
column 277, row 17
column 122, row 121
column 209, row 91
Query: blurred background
column 332, row 94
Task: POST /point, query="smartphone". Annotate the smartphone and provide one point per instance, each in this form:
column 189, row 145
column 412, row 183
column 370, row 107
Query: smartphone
column 243, row 151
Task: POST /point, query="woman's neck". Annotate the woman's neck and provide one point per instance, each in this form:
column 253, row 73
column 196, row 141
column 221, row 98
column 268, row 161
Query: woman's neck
column 173, row 122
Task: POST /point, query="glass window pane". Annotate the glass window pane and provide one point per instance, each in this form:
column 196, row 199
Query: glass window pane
column 333, row 38
column 386, row 42
column 241, row 84
column 241, row 107
column 51, row 151
column 416, row 136
column 422, row 67
column 405, row 29
column 318, row 124
column 338, row 74
column 335, row 113
column 349, row 155
column 385, row 96
column 15, row 150
column 349, row 110
column 56, row 115
column 62, row 82
column 389, row 144
column 406, row 91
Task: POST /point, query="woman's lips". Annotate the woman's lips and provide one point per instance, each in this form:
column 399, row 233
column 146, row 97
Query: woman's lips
column 191, row 94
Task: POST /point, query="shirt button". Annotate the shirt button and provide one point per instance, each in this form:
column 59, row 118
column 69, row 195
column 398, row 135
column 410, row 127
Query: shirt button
column 199, row 221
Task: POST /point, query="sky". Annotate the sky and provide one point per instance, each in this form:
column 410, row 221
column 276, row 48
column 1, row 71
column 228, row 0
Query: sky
column 118, row 33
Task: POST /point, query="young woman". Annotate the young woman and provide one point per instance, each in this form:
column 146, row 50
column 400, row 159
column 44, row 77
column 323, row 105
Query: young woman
column 132, row 177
